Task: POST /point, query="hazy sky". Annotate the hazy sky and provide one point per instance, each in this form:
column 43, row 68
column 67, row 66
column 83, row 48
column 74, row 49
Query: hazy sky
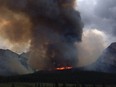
column 100, row 15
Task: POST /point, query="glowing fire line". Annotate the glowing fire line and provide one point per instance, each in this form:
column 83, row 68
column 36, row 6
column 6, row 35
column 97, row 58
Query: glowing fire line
column 64, row 68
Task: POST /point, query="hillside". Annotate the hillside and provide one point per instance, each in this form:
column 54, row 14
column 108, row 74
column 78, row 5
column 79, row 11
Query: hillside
column 66, row 76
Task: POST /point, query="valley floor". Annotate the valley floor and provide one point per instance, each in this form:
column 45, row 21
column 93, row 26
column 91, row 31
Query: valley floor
column 52, row 85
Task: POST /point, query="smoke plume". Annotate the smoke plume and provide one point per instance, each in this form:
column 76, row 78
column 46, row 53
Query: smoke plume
column 92, row 46
column 51, row 27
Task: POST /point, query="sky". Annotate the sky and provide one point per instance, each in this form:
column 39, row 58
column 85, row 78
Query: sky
column 100, row 15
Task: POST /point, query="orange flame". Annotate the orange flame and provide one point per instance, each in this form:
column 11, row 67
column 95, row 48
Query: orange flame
column 64, row 68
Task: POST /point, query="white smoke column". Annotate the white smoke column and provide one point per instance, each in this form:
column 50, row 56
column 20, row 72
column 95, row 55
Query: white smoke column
column 92, row 45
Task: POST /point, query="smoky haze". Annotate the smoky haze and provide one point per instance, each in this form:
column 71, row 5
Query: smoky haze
column 51, row 26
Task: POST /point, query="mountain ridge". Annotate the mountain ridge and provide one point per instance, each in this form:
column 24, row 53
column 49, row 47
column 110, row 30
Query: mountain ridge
column 12, row 64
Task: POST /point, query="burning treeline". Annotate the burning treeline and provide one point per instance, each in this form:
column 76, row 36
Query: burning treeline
column 51, row 26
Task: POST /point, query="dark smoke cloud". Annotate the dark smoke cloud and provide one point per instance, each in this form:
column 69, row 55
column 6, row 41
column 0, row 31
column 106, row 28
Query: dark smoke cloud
column 52, row 26
column 99, row 14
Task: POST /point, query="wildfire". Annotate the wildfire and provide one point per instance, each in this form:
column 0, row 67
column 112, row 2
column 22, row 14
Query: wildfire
column 64, row 68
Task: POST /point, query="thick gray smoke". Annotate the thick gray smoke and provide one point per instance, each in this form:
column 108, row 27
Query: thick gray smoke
column 51, row 26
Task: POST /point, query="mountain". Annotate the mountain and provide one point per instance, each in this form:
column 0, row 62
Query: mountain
column 24, row 61
column 12, row 63
column 106, row 62
column 103, row 71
